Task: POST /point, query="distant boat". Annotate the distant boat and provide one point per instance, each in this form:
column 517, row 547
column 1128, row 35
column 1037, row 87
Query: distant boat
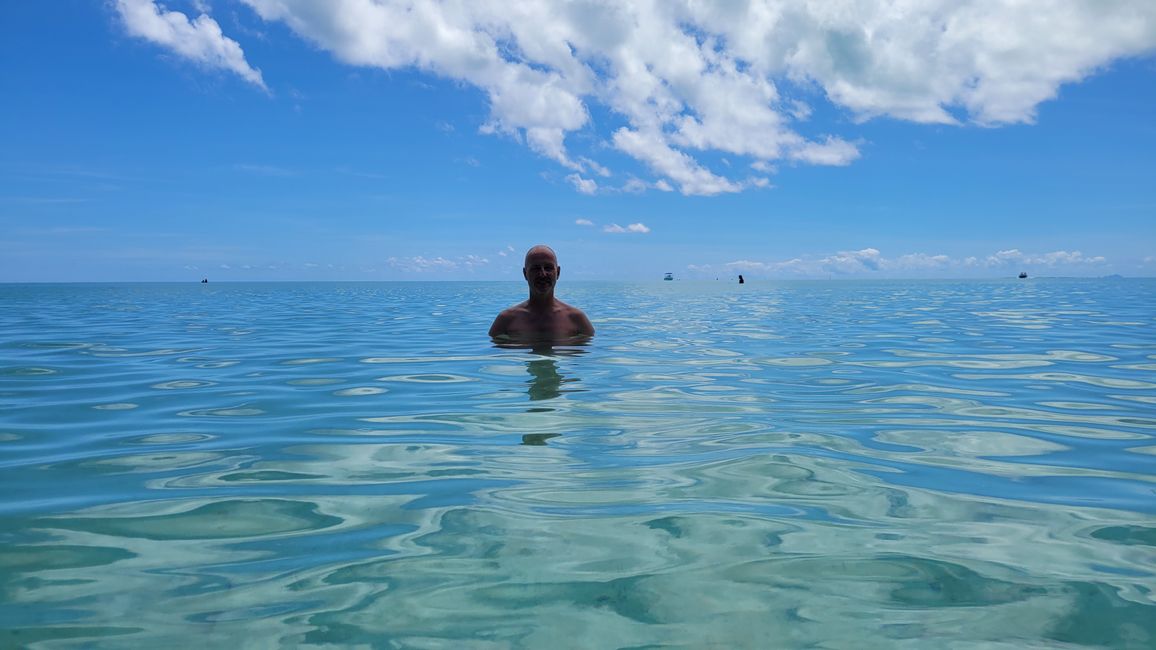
column 668, row 276
column 1023, row 274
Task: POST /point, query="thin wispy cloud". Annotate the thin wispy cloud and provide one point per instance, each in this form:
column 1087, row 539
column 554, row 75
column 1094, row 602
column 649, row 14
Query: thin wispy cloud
column 583, row 222
column 264, row 170
column 61, row 231
column 199, row 40
column 56, row 171
column 42, row 200
column 632, row 228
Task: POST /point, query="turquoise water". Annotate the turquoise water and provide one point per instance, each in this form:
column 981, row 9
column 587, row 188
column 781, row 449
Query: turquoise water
column 823, row 464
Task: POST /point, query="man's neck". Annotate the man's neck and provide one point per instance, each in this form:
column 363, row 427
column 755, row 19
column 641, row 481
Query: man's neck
column 541, row 301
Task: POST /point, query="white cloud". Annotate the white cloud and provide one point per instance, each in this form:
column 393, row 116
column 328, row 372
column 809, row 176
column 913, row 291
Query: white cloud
column 653, row 150
column 583, row 222
column 921, row 261
column 832, row 151
column 632, row 228
column 420, row 264
column 472, row 262
column 635, row 186
column 594, row 167
column 870, row 261
column 583, row 185
column 439, row 264
column 199, row 40
column 679, row 79
column 1055, row 258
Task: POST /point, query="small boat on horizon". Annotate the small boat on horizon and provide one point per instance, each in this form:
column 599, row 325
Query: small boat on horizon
column 668, row 276
column 1023, row 274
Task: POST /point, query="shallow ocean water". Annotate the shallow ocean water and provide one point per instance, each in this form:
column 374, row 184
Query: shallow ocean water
column 813, row 464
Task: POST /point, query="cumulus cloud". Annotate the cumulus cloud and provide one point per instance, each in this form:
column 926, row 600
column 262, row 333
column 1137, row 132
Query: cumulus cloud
column 653, row 150
column 683, row 83
column 867, row 259
column 583, row 185
column 870, row 261
column 199, row 40
column 439, row 264
column 583, row 222
column 421, row 264
column 474, row 261
column 1055, row 258
column 632, row 228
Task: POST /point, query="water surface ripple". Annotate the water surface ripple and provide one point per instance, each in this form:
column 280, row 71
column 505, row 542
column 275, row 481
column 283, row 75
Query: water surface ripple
column 823, row 464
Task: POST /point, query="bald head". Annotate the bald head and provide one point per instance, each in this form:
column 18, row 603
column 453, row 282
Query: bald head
column 537, row 251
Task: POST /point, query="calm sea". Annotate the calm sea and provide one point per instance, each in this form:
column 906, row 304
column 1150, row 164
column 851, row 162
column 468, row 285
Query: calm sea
column 821, row 464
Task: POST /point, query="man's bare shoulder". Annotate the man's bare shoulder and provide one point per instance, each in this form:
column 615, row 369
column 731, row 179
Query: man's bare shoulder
column 578, row 318
column 514, row 310
column 565, row 308
column 506, row 317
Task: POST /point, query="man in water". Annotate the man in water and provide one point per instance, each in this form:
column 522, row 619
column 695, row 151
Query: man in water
column 541, row 318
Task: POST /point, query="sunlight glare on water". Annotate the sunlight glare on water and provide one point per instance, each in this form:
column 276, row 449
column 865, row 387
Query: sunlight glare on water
column 834, row 464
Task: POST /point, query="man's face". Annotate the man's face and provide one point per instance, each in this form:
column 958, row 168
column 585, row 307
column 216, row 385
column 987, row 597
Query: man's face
column 541, row 272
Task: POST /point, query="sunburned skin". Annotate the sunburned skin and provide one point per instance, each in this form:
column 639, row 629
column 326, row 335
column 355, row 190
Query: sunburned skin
column 541, row 318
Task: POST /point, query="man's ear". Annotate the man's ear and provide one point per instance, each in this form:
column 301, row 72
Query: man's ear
column 559, row 271
column 524, row 275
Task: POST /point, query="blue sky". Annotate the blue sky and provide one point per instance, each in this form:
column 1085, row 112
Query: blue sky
column 351, row 140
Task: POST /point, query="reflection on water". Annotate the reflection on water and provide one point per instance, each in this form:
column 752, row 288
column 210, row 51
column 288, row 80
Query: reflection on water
column 546, row 383
column 818, row 464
